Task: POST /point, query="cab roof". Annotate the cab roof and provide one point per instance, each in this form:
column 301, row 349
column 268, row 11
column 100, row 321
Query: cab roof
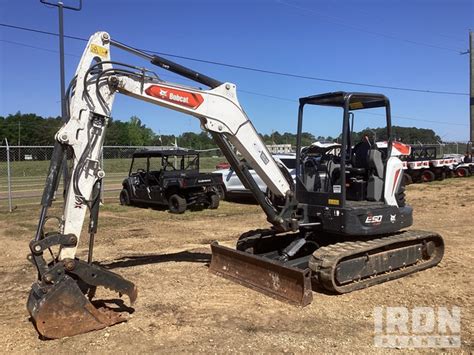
column 357, row 100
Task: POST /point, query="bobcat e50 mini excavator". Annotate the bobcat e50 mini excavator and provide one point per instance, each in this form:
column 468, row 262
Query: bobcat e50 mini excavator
column 338, row 226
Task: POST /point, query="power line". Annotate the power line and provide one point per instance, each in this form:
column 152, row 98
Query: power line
column 309, row 77
column 41, row 32
column 268, row 96
column 39, row 48
column 367, row 113
column 256, row 93
column 417, row 119
column 258, row 70
column 360, row 29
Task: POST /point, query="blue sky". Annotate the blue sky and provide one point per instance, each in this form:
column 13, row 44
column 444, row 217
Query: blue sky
column 358, row 41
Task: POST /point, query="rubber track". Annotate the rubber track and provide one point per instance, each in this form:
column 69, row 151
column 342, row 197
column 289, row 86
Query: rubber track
column 324, row 261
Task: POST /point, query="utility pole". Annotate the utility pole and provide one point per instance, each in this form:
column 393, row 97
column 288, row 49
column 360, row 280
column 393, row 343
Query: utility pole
column 60, row 5
column 471, row 94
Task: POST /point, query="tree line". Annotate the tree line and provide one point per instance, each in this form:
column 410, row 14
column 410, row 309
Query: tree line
column 32, row 129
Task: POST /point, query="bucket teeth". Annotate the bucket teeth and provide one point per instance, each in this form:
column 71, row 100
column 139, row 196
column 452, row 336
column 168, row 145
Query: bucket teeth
column 94, row 275
column 62, row 310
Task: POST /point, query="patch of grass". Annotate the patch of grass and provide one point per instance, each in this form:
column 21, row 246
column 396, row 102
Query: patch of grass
column 34, row 168
column 109, row 206
column 26, row 225
column 14, row 232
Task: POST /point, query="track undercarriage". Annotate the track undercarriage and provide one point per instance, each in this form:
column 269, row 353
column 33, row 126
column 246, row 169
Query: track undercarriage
column 288, row 267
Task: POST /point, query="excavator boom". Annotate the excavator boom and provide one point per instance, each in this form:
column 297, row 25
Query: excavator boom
column 58, row 297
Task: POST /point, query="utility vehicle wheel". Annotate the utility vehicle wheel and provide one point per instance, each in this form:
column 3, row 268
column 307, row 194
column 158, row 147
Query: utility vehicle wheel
column 213, row 201
column 124, row 198
column 441, row 176
column 221, row 192
column 177, row 204
column 462, row 172
column 427, row 176
column 407, row 179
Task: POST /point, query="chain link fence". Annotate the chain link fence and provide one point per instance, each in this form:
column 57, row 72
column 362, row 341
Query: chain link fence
column 23, row 171
column 454, row 147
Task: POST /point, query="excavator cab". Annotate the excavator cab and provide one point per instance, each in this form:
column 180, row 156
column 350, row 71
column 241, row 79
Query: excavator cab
column 351, row 189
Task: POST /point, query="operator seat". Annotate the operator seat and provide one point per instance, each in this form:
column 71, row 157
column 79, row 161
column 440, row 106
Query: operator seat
column 361, row 155
column 376, row 175
column 311, row 175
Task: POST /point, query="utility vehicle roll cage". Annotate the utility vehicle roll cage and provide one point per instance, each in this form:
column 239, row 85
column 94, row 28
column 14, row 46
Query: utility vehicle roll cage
column 164, row 154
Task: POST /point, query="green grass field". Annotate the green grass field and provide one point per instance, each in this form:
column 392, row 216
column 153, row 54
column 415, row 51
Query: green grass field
column 28, row 178
column 40, row 168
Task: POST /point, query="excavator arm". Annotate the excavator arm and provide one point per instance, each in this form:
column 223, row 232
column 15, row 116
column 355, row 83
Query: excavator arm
column 98, row 79
column 57, row 298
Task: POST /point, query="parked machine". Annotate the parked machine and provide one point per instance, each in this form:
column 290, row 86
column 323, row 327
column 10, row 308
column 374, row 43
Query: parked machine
column 425, row 164
column 234, row 188
column 339, row 225
column 464, row 166
column 170, row 178
column 464, row 169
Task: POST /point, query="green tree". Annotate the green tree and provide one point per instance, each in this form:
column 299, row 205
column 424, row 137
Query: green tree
column 129, row 133
column 29, row 129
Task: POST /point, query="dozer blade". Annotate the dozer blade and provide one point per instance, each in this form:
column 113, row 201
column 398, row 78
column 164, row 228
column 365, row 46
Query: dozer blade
column 62, row 310
column 284, row 283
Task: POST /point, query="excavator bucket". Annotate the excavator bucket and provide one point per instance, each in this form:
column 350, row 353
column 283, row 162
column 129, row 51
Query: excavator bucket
column 285, row 283
column 62, row 310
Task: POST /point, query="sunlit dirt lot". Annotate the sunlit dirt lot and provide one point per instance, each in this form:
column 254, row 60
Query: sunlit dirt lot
column 183, row 308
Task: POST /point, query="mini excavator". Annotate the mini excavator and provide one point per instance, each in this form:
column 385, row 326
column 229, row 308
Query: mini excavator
column 336, row 226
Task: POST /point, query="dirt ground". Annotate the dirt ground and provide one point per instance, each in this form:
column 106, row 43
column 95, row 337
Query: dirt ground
column 183, row 308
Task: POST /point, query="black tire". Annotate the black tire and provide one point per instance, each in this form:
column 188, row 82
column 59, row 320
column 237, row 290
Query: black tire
column 427, row 176
column 441, row 176
column 407, row 179
column 124, row 197
column 177, row 204
column 221, row 191
column 400, row 194
column 462, row 172
column 213, row 201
